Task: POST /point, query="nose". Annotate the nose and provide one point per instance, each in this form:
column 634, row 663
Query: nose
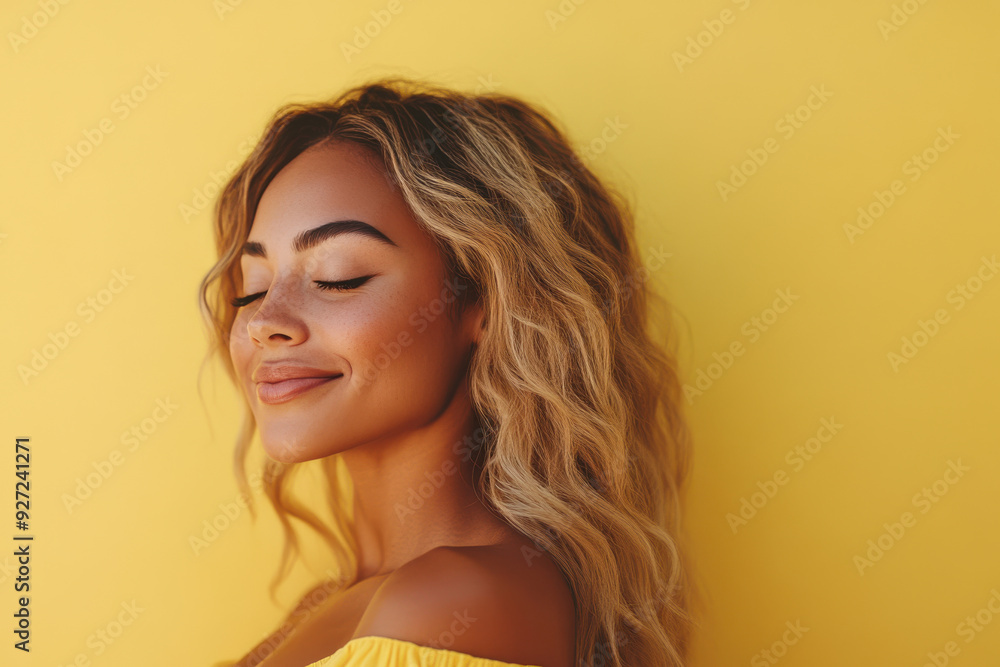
column 276, row 321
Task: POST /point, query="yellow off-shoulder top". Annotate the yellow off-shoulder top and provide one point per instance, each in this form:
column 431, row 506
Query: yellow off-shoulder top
column 372, row 651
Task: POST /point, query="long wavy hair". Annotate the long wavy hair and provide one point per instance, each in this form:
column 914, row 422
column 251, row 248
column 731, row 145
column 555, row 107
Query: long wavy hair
column 586, row 448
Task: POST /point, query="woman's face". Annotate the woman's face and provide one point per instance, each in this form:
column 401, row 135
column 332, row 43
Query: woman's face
column 351, row 342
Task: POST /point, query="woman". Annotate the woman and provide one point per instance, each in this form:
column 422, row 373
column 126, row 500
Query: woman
column 429, row 292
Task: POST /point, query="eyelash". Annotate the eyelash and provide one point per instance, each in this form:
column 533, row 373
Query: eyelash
column 336, row 285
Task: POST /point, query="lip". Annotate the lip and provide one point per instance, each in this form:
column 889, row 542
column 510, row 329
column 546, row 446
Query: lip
column 280, row 383
column 280, row 392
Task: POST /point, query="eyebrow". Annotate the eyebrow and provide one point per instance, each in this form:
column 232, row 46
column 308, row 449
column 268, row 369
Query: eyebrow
column 317, row 235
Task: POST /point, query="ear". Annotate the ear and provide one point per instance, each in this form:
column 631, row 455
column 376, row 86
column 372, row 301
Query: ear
column 475, row 320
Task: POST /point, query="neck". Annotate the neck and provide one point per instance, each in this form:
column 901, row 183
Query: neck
column 416, row 491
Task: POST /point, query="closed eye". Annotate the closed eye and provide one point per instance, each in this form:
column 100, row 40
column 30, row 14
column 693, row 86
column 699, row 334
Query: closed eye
column 337, row 285
column 240, row 301
column 342, row 285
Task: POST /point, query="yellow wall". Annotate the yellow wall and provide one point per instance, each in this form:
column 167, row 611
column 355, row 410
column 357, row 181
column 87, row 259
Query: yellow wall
column 823, row 107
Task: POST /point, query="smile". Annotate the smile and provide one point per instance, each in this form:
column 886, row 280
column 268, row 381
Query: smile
column 279, row 392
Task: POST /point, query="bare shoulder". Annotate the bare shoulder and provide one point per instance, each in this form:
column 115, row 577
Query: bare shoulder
column 498, row 602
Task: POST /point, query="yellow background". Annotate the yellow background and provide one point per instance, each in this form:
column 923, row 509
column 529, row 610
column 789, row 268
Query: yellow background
column 680, row 129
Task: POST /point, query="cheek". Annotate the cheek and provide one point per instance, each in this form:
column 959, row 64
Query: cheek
column 240, row 348
column 366, row 338
column 410, row 342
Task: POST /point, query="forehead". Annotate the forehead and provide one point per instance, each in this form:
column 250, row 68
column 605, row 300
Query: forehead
column 326, row 182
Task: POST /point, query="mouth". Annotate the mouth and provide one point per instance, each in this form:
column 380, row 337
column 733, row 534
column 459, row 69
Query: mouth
column 273, row 393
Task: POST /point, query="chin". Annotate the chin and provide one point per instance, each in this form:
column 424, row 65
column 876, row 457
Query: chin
column 288, row 449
